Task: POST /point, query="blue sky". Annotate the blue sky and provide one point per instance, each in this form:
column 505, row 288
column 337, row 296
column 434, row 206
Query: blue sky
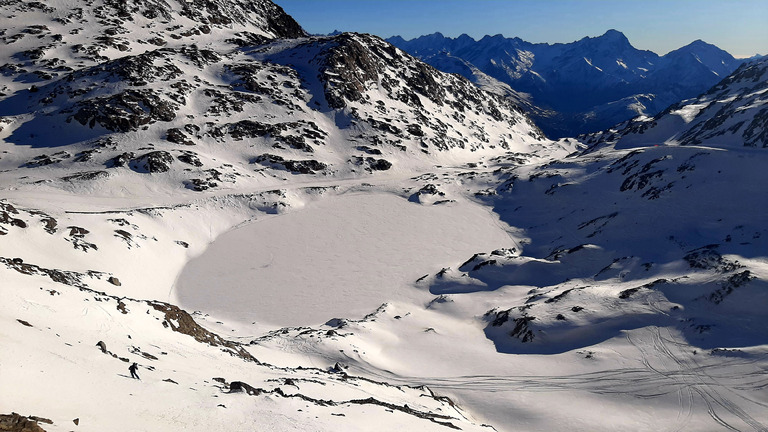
column 737, row 26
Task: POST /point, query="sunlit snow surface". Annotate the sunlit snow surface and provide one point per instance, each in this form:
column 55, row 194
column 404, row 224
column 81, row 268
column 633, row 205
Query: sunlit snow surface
column 339, row 257
column 490, row 278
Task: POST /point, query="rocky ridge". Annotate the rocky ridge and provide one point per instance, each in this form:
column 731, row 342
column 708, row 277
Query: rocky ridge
column 202, row 108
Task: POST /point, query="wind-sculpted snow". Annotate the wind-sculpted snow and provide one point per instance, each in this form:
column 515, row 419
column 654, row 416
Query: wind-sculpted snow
column 619, row 238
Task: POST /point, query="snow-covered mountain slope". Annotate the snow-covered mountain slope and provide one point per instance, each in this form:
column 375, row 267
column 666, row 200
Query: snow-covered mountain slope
column 229, row 106
column 133, row 134
column 74, row 331
column 579, row 79
column 46, row 41
column 634, row 274
column 229, row 211
column 734, row 113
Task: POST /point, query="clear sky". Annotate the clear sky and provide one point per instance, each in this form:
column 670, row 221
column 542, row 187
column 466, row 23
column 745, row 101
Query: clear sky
column 737, row 26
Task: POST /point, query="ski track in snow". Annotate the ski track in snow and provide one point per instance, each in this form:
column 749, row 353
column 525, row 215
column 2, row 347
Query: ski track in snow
column 668, row 368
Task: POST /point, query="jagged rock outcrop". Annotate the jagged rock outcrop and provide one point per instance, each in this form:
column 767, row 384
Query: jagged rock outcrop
column 17, row 423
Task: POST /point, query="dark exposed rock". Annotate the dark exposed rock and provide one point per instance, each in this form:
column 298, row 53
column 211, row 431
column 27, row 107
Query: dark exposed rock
column 124, row 112
column 708, row 258
column 86, row 176
column 728, row 286
column 385, row 127
column 428, row 189
column 369, row 150
column 295, row 166
column 239, row 386
column 128, row 238
column 500, row 318
column 77, row 238
column 152, row 162
column 483, row 264
column 263, row 14
column 597, row 224
column 6, row 210
column 43, row 160
column 60, row 276
column 522, row 330
column 85, row 155
column 175, row 135
column 17, row 423
column 120, row 160
column 281, row 133
column 380, row 164
column 138, row 70
column 49, row 224
column 139, row 352
column 371, row 164
column 180, row 321
column 190, row 158
column 627, row 293
column 558, row 297
column 415, row 130
column 200, row 185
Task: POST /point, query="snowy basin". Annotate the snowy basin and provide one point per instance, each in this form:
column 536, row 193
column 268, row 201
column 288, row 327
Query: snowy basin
column 340, row 257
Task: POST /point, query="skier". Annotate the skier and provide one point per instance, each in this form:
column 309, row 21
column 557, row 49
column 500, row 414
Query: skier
column 133, row 368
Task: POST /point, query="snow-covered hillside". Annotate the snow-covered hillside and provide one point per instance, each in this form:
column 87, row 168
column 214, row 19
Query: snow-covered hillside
column 324, row 233
column 590, row 84
column 221, row 116
column 734, row 113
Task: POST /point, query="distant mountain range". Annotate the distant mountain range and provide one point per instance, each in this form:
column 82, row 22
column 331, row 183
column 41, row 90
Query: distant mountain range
column 579, row 87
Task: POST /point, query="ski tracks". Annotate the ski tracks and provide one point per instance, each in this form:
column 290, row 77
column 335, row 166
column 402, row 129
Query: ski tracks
column 693, row 377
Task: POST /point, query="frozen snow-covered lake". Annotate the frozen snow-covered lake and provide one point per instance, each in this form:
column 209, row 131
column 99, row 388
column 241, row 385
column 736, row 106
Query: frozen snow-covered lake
column 338, row 257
